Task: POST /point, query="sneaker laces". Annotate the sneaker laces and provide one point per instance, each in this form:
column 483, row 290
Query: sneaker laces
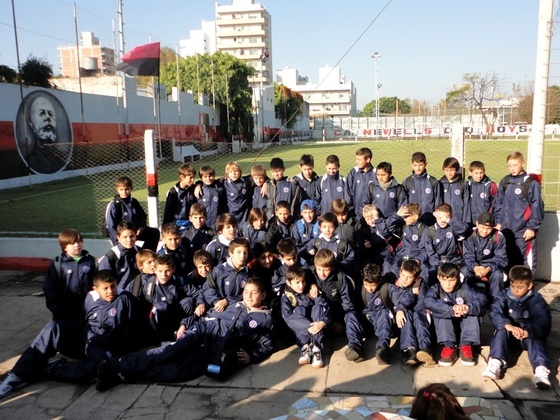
column 447, row 352
column 467, row 351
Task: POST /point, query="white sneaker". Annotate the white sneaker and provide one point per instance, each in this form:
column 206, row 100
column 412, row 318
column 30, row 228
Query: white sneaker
column 541, row 378
column 317, row 358
column 305, row 357
column 10, row 384
column 494, row 369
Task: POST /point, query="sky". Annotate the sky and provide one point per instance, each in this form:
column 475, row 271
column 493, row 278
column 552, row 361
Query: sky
column 425, row 46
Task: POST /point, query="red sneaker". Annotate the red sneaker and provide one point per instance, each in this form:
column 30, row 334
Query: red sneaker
column 466, row 355
column 448, row 356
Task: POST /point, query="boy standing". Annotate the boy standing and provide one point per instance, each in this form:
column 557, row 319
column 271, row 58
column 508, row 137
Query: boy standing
column 331, row 186
column 280, row 188
column 519, row 212
column 384, row 192
column 180, row 197
column 174, row 247
column 456, row 308
column 327, row 239
column 198, row 235
column 213, row 196
column 260, row 188
column 280, row 226
column 67, row 283
column 307, row 179
column 238, row 191
column 305, row 229
column 482, row 189
column 226, row 227
column 348, row 226
column 455, row 191
column 359, row 178
column 521, row 318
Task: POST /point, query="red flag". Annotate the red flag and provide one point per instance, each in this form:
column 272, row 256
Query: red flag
column 141, row 61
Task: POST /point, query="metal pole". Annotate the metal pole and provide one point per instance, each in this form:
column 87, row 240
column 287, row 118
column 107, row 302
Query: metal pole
column 375, row 57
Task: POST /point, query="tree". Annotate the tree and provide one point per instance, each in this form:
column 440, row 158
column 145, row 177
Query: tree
column 287, row 104
column 7, row 74
column 387, row 105
column 525, row 109
column 479, row 92
column 36, row 72
column 210, row 74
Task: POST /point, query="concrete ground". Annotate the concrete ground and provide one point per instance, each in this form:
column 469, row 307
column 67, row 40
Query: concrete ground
column 260, row 391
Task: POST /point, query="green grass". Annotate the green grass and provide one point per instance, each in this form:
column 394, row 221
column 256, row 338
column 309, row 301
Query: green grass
column 45, row 209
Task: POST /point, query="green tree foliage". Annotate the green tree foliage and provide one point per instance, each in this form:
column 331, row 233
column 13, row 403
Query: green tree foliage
column 210, row 74
column 36, row 72
column 525, row 109
column 387, row 105
column 7, row 74
column 287, row 105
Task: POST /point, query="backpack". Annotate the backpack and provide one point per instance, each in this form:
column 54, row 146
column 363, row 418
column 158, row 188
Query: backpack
column 371, row 186
column 524, row 185
column 383, row 294
column 408, row 183
column 118, row 208
column 301, row 229
column 341, row 247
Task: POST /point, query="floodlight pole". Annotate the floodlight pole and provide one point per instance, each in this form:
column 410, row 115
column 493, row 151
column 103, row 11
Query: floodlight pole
column 375, row 57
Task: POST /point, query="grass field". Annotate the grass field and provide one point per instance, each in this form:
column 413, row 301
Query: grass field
column 45, row 209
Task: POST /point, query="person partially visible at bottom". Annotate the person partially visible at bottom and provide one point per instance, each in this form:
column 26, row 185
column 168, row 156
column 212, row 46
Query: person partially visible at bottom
column 436, row 402
column 241, row 335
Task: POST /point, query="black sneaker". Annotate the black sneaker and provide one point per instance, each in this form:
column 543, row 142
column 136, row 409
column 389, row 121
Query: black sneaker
column 353, row 355
column 10, row 384
column 108, row 374
column 409, row 357
column 382, row 355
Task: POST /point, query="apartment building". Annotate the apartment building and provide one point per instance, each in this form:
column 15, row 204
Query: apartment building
column 94, row 59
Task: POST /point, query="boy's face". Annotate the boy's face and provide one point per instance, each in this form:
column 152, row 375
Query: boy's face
column 297, row 284
column 306, row 171
column 382, row 176
column 282, row 215
column 362, row 162
column 234, row 174
column 477, row 174
column 419, row 167
column 332, row 168
column 450, row 173
column 229, row 232
column 208, row 178
column 148, row 266
column 198, row 220
column 186, row 180
column 519, row 288
column 483, row 230
column 406, row 279
column 515, row 166
column 411, row 218
column 307, row 215
column 124, row 191
column 327, row 229
column 266, row 259
column 258, row 223
column 442, row 218
column 127, row 238
column 258, row 180
column 253, row 296
column 239, row 256
column 370, row 220
column 74, row 250
column 342, row 217
column 448, row 284
column 277, row 173
column 203, row 269
column 107, row 291
column 289, row 260
column 164, row 273
column 370, row 287
column 172, row 241
column 323, row 273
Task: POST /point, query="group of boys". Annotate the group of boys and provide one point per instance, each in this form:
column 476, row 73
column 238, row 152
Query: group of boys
column 361, row 254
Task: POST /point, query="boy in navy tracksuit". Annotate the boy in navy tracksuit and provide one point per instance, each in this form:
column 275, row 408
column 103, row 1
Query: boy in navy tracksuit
column 124, row 207
column 457, row 312
column 175, row 247
column 254, row 229
column 68, row 280
column 405, row 224
column 422, row 188
column 305, row 230
column 281, row 188
column 280, row 226
column 213, row 195
column 442, row 240
column 519, row 212
column 359, row 178
column 384, row 192
column 348, row 226
column 226, row 228
column 121, row 259
column 455, row 191
column 145, row 261
column 260, row 187
column 198, row 235
column 308, row 318
column 483, row 191
column 267, row 266
column 485, row 256
column 307, row 179
column 109, row 315
column 239, row 192
column 180, row 198
column 224, row 284
column 327, row 239
column 239, row 336
column 330, row 186
column 371, row 246
column 521, row 318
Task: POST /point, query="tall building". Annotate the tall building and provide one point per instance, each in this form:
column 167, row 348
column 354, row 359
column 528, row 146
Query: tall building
column 95, row 60
column 201, row 41
column 333, row 96
column 244, row 30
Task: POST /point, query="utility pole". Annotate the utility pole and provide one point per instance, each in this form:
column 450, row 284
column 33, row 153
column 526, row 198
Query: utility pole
column 375, row 57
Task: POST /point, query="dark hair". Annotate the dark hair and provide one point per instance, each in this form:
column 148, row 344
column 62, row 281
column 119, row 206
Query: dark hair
column 411, row 266
column 325, row 258
column 385, row 166
column 364, row 151
column 306, row 160
column 202, row 257
column 125, row 225
column 206, row 170
column 68, row 237
column 170, row 229
column 257, row 282
column 225, row 219
column 418, row 157
column 261, row 247
column 295, row 271
column 197, row 209
column 104, row 276
column 451, row 162
column 277, row 163
column 124, row 181
column 186, row 169
column 414, row 208
column 332, row 159
column 476, row 164
column 448, row 270
column 282, row 204
column 328, row 218
column 371, row 273
column 520, row 273
column 238, row 243
column 340, row 206
column 286, row 247
column 165, row 259
column 255, row 214
column 444, row 208
column 436, row 402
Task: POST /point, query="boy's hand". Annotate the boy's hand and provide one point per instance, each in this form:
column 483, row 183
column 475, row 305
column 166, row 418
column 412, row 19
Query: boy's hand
column 198, row 191
column 221, row 305
column 264, row 189
column 401, row 319
column 367, row 244
column 179, row 333
column 517, row 332
column 313, row 291
column 200, row 309
column 315, row 327
column 243, row 357
column 311, row 251
column 403, row 211
column 528, row 235
column 460, row 310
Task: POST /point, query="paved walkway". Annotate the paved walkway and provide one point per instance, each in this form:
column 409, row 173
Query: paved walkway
column 271, row 389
